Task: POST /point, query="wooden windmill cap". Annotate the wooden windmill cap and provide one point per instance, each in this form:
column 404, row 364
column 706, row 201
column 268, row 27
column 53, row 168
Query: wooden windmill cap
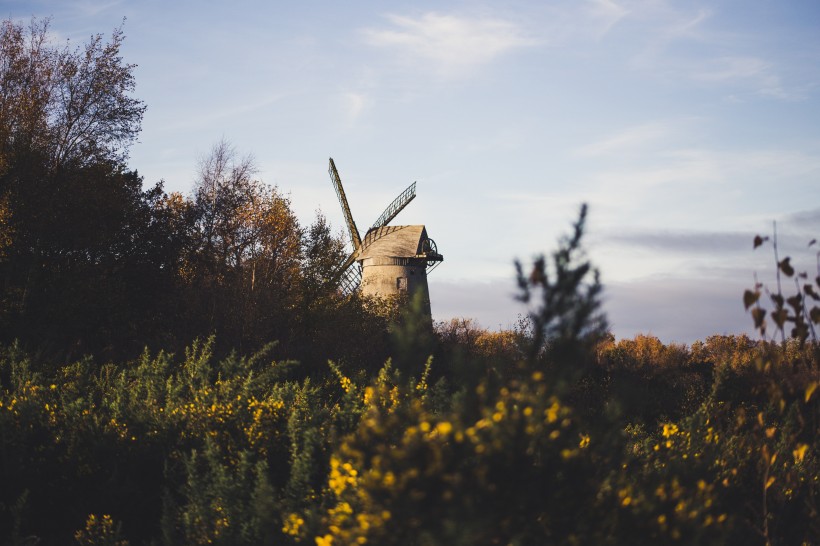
column 394, row 241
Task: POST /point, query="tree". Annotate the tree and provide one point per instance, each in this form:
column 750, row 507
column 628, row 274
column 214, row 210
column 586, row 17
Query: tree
column 246, row 257
column 27, row 75
column 83, row 249
column 323, row 254
column 224, row 187
column 61, row 110
column 73, row 105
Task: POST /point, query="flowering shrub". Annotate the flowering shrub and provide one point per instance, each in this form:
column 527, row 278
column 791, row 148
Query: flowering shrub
column 551, row 434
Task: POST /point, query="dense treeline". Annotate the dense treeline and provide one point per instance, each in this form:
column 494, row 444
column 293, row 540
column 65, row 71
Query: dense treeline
column 91, row 262
column 182, row 370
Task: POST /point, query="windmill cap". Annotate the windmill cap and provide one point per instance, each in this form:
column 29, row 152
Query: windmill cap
column 394, row 241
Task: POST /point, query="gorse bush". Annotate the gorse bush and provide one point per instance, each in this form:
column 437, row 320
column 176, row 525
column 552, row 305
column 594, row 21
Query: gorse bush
column 551, row 433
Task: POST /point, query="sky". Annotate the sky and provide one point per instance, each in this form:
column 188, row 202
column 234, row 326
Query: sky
column 687, row 128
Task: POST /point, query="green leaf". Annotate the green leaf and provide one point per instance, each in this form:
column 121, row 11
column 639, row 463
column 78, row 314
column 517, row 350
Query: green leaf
column 796, row 303
column 786, row 267
column 778, row 300
column 814, row 314
column 759, row 241
column 812, row 242
column 750, row 298
column 809, row 291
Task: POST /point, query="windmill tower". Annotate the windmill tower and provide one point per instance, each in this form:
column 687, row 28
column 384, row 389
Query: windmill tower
column 390, row 260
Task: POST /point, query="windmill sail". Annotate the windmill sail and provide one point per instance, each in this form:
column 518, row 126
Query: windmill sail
column 349, row 275
column 340, row 193
column 350, row 279
column 396, row 206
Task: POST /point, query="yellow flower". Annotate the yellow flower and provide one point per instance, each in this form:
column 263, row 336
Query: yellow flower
column 389, row 479
column 584, row 441
column 368, row 395
column 551, row 412
column 800, row 452
column 444, row 428
column 669, row 429
column 292, row 525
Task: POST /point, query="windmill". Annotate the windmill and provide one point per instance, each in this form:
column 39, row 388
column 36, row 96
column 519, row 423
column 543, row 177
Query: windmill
column 389, row 260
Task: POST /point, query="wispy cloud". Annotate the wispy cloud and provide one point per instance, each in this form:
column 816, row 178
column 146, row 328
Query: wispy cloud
column 697, row 186
column 91, row 8
column 755, row 72
column 714, row 55
column 662, row 26
column 451, row 44
column 220, row 112
column 354, row 104
column 806, row 218
column 690, row 242
column 606, row 13
column 627, row 140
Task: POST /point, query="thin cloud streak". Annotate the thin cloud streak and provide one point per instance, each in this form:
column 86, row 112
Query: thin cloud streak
column 683, row 242
column 629, row 140
column 192, row 122
column 453, row 44
column 807, row 218
column 89, row 8
column 754, row 72
column 607, row 12
column 668, row 26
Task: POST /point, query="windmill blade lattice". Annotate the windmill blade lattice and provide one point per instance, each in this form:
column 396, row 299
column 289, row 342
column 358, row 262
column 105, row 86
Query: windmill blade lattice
column 350, row 279
column 394, row 208
column 340, row 193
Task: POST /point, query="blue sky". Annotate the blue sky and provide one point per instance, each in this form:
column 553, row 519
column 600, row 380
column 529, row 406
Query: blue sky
column 688, row 127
